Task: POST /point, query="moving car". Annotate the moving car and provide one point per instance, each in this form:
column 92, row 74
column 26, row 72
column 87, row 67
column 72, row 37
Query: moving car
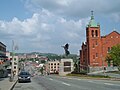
column 24, row 76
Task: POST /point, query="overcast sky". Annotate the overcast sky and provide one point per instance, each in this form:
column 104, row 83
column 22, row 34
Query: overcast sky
column 46, row 25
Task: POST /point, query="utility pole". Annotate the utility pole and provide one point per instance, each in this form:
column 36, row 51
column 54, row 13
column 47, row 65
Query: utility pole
column 12, row 76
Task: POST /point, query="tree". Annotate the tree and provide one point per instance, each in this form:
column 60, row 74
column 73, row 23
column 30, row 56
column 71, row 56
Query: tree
column 41, row 70
column 114, row 56
column 75, row 67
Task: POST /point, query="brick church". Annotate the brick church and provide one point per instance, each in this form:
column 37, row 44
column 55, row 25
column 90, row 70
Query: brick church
column 96, row 47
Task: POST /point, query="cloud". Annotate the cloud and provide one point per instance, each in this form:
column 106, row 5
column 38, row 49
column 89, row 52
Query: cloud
column 116, row 17
column 55, row 23
column 75, row 8
column 44, row 31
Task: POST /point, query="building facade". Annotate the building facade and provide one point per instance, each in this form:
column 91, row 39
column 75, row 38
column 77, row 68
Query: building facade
column 52, row 67
column 93, row 52
column 3, row 60
column 14, row 63
column 66, row 66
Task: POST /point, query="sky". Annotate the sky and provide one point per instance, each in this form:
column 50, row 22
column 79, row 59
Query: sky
column 46, row 25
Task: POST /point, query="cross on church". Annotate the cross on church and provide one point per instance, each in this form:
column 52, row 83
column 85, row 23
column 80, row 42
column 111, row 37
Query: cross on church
column 92, row 13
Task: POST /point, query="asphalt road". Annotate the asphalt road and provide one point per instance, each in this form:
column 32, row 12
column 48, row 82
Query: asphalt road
column 64, row 83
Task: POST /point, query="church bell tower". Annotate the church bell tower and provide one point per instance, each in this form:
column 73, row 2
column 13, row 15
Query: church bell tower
column 93, row 39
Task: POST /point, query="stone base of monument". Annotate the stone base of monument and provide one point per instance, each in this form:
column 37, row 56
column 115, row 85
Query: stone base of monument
column 66, row 66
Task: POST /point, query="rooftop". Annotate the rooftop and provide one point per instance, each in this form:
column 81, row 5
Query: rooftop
column 92, row 22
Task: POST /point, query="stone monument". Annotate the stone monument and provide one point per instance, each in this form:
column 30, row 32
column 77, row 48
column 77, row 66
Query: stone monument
column 66, row 64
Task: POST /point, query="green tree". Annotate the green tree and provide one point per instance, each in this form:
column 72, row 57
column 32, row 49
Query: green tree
column 114, row 56
column 41, row 70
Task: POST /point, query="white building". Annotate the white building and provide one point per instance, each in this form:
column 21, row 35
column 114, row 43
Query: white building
column 52, row 66
column 14, row 62
column 66, row 67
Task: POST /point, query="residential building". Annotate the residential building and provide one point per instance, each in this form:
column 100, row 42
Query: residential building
column 14, row 63
column 3, row 60
column 93, row 52
column 52, row 66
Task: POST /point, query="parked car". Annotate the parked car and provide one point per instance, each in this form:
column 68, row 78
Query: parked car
column 24, row 76
column 9, row 72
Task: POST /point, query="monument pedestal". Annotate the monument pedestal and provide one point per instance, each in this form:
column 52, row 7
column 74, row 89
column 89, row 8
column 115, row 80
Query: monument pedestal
column 66, row 66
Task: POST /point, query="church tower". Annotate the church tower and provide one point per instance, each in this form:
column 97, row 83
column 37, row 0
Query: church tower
column 93, row 39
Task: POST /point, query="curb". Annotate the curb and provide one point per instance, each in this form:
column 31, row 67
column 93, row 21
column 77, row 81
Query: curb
column 13, row 85
column 112, row 79
column 115, row 79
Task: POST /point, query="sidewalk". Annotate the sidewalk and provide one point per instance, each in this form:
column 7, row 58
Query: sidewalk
column 112, row 75
column 5, row 84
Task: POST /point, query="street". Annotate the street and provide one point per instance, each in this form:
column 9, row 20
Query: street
column 65, row 83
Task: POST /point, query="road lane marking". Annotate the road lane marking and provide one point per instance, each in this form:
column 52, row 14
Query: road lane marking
column 91, row 81
column 66, row 84
column 50, row 79
column 70, row 78
column 109, row 84
column 77, row 79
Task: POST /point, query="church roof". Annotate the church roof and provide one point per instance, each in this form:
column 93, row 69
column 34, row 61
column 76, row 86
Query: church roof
column 110, row 34
column 92, row 22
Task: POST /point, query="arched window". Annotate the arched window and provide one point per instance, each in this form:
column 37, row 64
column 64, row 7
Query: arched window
column 96, row 33
column 92, row 33
column 109, row 49
column 96, row 54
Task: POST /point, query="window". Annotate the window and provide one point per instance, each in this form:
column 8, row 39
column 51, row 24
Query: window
column 109, row 49
column 96, row 33
column 93, row 56
column 15, row 63
column 93, row 45
column 92, row 33
column 67, row 63
column 96, row 54
column 14, row 67
column 67, row 69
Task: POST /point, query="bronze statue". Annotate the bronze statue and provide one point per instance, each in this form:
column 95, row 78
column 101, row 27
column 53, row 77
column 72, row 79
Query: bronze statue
column 66, row 49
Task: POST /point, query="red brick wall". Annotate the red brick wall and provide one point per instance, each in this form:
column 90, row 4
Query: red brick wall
column 94, row 46
column 94, row 51
column 108, row 42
